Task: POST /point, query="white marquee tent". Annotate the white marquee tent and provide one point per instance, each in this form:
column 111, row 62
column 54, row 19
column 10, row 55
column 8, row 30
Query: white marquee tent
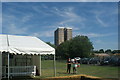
column 24, row 45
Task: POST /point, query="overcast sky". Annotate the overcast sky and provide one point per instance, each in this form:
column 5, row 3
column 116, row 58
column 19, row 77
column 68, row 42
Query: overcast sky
column 97, row 20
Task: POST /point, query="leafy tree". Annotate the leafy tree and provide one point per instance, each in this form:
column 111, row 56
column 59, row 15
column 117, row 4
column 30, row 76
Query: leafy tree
column 115, row 51
column 108, row 51
column 63, row 50
column 78, row 46
column 101, row 51
column 95, row 51
column 52, row 45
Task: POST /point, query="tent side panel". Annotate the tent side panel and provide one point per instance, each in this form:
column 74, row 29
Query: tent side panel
column 36, row 62
column 0, row 65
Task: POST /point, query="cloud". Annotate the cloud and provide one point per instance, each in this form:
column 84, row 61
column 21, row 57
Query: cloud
column 26, row 18
column 101, row 22
column 75, row 28
column 37, row 9
column 101, row 16
column 14, row 25
column 8, row 18
column 65, row 12
column 36, row 34
column 97, row 14
column 44, row 34
column 42, row 9
column 98, row 41
column 99, row 35
column 69, row 17
column 13, row 29
column 66, row 21
column 44, row 6
column 94, row 35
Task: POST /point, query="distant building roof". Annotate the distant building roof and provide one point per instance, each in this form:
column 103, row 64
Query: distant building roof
column 68, row 28
column 102, row 54
column 65, row 27
column 61, row 27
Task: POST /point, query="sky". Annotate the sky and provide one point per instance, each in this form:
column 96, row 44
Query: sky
column 97, row 20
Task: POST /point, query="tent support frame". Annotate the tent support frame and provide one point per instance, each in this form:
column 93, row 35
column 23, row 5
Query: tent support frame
column 40, row 65
column 8, row 65
column 0, row 65
column 8, row 58
column 54, row 63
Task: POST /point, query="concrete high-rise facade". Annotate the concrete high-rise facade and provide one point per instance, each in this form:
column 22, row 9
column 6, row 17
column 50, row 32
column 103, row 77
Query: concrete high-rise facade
column 62, row 34
column 67, row 34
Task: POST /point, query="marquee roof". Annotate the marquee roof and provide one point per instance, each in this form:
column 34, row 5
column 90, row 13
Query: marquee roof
column 24, row 45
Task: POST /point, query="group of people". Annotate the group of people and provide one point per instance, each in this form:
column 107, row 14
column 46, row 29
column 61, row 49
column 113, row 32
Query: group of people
column 74, row 64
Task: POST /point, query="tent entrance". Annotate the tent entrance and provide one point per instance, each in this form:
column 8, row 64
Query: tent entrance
column 23, row 65
column 19, row 65
column 19, row 71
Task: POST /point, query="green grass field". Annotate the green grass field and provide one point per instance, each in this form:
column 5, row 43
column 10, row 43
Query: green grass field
column 92, row 70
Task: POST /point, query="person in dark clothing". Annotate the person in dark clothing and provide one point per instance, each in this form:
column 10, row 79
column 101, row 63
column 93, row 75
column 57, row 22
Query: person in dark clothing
column 37, row 72
column 68, row 65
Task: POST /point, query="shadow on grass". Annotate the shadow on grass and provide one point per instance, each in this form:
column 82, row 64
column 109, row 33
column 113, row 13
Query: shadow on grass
column 62, row 73
column 65, row 73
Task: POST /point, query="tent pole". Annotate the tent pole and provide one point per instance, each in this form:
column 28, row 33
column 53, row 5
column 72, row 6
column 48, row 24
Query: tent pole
column 54, row 63
column 40, row 65
column 1, row 65
column 8, row 66
column 8, row 58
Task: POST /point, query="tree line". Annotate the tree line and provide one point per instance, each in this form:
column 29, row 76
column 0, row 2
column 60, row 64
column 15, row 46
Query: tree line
column 79, row 46
column 108, row 51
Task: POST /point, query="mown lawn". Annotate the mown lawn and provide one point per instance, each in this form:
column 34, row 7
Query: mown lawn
column 92, row 70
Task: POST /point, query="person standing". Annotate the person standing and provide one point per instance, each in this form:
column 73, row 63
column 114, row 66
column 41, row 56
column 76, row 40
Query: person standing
column 68, row 65
column 75, row 66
